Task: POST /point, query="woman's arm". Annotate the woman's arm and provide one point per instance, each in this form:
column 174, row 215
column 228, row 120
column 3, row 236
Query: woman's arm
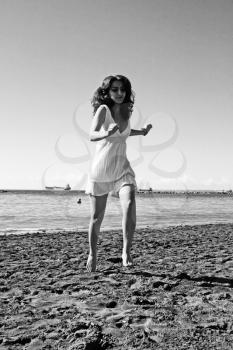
column 134, row 132
column 143, row 131
column 98, row 121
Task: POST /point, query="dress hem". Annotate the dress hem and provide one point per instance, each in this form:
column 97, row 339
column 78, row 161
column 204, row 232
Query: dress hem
column 114, row 187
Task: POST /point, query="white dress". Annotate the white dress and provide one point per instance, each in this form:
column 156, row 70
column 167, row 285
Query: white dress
column 110, row 168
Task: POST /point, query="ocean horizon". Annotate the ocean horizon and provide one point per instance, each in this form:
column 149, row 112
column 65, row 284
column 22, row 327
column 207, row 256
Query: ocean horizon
column 24, row 211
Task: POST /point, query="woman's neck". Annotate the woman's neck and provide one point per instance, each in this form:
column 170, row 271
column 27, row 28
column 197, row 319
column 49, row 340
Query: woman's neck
column 116, row 108
column 120, row 111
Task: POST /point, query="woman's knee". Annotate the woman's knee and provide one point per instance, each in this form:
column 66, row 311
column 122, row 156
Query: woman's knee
column 97, row 218
column 128, row 204
column 129, row 215
column 98, row 209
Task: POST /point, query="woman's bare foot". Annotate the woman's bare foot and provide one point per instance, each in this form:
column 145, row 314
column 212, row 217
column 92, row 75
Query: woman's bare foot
column 127, row 260
column 91, row 263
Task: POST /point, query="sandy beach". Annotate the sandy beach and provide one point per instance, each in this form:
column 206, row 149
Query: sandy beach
column 178, row 295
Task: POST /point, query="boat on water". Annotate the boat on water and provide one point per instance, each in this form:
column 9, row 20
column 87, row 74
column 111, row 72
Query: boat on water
column 58, row 188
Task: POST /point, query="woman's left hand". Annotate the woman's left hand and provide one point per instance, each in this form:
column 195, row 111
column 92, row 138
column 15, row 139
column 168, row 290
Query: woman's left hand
column 146, row 129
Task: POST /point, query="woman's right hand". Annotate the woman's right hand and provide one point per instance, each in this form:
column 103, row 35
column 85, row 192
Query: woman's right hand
column 112, row 129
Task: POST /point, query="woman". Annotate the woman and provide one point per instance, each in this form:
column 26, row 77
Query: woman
column 111, row 170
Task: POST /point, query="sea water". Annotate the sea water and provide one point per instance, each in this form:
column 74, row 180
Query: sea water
column 34, row 211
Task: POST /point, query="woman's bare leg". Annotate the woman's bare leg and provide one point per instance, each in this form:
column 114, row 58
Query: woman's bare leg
column 98, row 205
column 128, row 204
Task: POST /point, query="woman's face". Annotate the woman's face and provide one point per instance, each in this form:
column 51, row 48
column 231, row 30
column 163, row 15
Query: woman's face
column 117, row 92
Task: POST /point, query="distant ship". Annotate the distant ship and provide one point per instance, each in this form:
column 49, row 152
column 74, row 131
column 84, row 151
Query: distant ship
column 57, row 188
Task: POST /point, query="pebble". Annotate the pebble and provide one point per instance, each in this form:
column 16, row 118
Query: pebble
column 175, row 285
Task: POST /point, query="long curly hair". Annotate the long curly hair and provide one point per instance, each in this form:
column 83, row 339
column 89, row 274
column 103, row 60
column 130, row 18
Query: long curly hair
column 101, row 95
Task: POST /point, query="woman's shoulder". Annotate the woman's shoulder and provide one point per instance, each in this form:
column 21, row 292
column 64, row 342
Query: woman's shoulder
column 102, row 110
column 103, row 106
column 101, row 114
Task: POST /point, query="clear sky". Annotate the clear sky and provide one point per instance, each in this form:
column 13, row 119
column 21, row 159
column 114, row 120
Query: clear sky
column 178, row 55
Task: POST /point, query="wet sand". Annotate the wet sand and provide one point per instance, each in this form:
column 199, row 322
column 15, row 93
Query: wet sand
column 179, row 294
